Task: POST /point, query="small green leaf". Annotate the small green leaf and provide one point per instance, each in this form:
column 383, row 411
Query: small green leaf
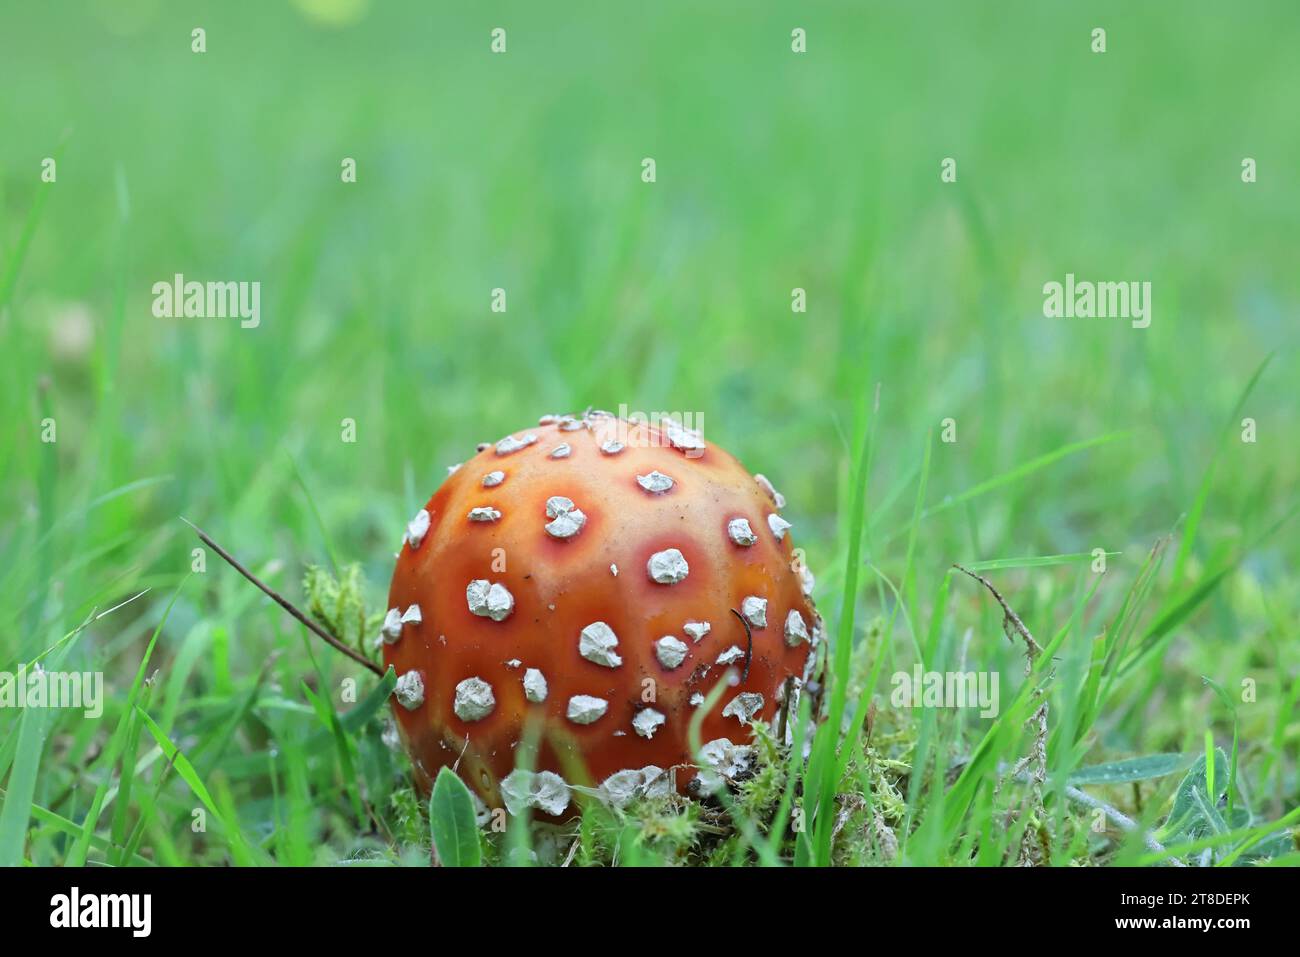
column 1130, row 769
column 451, row 820
column 1195, row 813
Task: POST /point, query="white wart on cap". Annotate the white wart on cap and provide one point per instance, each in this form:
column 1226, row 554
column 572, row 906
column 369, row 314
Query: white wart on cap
column 409, row 690
column 695, row 630
column 647, row 722
column 567, row 518
column 670, row 651
column 744, row 706
column 489, row 600
column 511, row 444
column 738, row 531
column 474, row 700
column 597, row 642
column 535, row 689
column 522, row 789
column 584, row 709
column 392, row 626
column 667, row 567
column 680, row 437
column 777, row 498
column 417, row 528
column 656, row 482
column 731, row 655
column 796, row 629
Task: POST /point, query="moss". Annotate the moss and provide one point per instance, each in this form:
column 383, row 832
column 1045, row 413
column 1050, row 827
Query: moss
column 408, row 819
column 338, row 603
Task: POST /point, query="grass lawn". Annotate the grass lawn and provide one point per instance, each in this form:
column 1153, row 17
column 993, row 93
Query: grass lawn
column 838, row 268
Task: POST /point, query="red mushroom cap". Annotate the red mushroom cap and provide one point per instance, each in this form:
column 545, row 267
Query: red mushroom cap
column 586, row 571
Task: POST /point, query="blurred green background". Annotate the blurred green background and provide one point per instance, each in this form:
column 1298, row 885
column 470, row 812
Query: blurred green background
column 522, row 170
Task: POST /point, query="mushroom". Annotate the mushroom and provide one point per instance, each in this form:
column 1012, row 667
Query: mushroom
column 640, row 559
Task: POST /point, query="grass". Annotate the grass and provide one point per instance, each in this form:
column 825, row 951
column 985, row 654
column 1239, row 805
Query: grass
column 775, row 171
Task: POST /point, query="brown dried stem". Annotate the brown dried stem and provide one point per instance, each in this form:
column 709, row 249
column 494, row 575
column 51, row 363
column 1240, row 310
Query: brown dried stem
column 1036, row 760
column 284, row 603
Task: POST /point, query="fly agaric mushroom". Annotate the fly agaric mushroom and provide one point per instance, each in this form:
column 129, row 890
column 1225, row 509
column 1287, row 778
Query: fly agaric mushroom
column 602, row 576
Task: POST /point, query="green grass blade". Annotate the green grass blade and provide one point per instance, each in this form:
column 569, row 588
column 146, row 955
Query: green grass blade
column 112, row 754
column 14, row 261
column 822, row 774
column 1036, row 561
column 239, row 849
column 1181, row 608
column 60, row 823
column 17, row 810
column 1012, row 476
column 1193, row 523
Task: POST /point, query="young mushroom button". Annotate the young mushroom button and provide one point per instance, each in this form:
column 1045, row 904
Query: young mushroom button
column 558, row 629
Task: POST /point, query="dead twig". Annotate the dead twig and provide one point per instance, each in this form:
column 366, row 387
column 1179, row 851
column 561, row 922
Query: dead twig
column 749, row 644
column 783, row 713
column 573, row 850
column 1121, row 820
column 284, row 602
column 1035, row 762
column 1033, row 648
